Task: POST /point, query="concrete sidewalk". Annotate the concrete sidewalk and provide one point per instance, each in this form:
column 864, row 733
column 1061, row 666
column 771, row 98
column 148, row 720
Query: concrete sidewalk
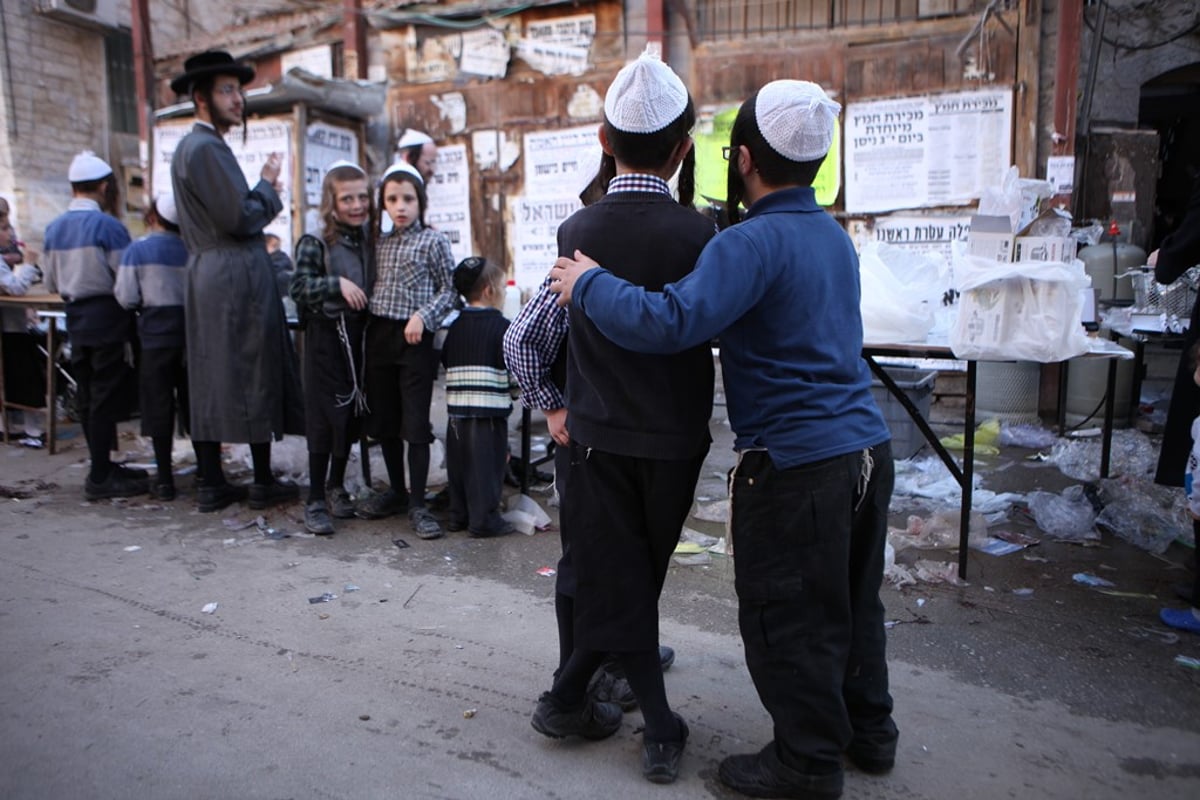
column 420, row 683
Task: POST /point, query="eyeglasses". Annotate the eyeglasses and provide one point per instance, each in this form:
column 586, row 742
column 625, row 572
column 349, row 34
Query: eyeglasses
column 227, row 89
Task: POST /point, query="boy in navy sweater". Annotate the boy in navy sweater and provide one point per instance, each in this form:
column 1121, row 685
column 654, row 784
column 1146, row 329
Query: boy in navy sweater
column 151, row 281
column 479, row 400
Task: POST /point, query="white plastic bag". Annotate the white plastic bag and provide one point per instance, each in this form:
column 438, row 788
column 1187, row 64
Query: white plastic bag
column 1019, row 311
column 901, row 289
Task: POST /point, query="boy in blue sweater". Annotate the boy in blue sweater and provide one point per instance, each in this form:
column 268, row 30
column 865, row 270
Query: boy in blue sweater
column 151, row 281
column 811, row 489
column 83, row 249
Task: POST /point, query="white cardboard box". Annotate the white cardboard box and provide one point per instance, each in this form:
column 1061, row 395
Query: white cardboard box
column 1045, row 248
column 991, row 238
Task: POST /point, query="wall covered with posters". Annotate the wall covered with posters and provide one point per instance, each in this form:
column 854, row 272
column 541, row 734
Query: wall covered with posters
column 514, row 109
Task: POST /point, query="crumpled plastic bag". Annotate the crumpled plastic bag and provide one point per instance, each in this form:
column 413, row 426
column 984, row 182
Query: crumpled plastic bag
column 1069, row 516
column 1033, row 437
column 901, row 290
column 1015, row 197
column 1143, row 513
column 1132, row 454
column 938, row 531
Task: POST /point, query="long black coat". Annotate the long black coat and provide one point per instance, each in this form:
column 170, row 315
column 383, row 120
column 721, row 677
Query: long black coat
column 1179, row 252
column 242, row 374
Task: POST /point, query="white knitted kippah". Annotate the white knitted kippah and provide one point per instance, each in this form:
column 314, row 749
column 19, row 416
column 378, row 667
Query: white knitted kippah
column 405, row 167
column 341, row 162
column 164, row 204
column 87, row 166
column 412, row 138
column 796, row 118
column 646, row 96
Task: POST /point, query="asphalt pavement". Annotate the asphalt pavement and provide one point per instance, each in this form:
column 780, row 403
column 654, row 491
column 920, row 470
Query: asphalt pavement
column 417, row 680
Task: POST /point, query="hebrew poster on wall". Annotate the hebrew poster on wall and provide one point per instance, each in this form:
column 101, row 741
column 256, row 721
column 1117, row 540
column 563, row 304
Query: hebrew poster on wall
column 937, row 150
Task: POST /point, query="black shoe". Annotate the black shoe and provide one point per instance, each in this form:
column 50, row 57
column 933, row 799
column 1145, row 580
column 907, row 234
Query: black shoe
column 503, row 529
column 666, row 657
column 873, row 750
column 381, row 504
column 762, row 774
column 341, row 506
column 163, row 490
column 456, row 525
column 660, row 760
column 439, row 501
column 130, row 472
column 214, row 498
column 117, row 484
column 591, row 720
column 424, row 524
column 608, row 687
column 269, row 494
column 316, row 519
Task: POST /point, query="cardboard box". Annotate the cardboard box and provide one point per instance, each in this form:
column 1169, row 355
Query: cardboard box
column 991, row 238
column 1045, row 248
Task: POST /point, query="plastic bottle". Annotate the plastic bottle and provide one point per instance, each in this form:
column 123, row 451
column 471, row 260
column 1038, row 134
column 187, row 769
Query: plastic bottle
column 512, row 300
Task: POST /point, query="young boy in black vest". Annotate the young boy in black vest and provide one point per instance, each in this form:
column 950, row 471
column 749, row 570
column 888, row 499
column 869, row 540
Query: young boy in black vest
column 638, row 424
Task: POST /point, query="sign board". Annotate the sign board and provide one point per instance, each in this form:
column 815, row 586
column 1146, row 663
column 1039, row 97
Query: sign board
column 449, row 194
column 558, row 165
column 938, row 150
column 263, row 137
column 923, row 234
column 323, row 145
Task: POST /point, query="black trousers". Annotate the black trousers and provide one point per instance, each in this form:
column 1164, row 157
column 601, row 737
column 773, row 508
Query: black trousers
column 808, row 563
column 476, row 449
column 163, row 390
column 104, row 386
column 624, row 515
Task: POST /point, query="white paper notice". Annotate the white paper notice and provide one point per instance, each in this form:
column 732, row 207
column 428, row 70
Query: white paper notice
column 554, row 161
column 325, row 144
column 926, row 151
column 1060, row 171
column 534, row 235
column 449, row 193
column 484, row 52
column 923, row 234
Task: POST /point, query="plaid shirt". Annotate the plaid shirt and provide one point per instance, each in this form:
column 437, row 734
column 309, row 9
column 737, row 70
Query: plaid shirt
column 534, row 338
column 414, row 276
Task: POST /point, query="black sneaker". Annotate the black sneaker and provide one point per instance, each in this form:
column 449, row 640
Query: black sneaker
column 424, row 524
column 214, row 498
column 316, row 519
column 666, row 657
column 269, row 494
column 591, row 720
column 117, row 484
column 456, row 525
column 130, row 472
column 874, row 755
column 163, row 490
column 660, row 760
column 608, row 687
column 762, row 774
column 503, row 529
column 341, row 506
column 380, row 505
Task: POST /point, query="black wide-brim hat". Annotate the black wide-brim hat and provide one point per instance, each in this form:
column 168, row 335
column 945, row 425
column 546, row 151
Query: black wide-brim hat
column 210, row 64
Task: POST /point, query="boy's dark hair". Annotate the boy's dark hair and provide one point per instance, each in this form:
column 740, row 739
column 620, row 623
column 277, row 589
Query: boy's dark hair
column 111, row 196
column 404, row 177
column 647, row 151
column 473, row 275
column 773, row 168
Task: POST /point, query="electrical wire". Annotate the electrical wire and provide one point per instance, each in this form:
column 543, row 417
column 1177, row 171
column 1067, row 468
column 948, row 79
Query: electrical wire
column 1133, row 48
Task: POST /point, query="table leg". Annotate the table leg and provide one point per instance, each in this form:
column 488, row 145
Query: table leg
column 968, row 472
column 1110, row 402
column 51, row 385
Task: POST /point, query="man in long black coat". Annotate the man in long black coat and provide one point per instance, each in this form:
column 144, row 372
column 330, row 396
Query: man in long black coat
column 242, row 376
